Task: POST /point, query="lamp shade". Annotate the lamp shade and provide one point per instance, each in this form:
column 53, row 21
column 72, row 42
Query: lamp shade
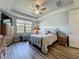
column 36, row 30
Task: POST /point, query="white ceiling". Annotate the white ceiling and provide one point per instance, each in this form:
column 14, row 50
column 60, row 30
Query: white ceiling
column 25, row 7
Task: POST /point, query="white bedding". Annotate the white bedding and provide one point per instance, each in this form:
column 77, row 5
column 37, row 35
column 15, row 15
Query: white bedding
column 40, row 35
column 46, row 40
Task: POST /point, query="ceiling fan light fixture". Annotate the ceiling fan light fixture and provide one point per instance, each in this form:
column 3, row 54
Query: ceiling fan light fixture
column 38, row 6
column 36, row 11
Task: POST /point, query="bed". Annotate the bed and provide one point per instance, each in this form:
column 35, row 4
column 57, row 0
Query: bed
column 43, row 40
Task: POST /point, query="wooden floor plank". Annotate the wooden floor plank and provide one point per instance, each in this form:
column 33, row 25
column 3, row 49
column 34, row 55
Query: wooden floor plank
column 63, row 52
column 23, row 50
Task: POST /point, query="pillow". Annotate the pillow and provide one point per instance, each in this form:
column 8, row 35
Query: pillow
column 48, row 32
column 52, row 30
column 43, row 31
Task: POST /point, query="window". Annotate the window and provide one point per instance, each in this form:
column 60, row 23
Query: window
column 27, row 28
column 23, row 26
column 20, row 28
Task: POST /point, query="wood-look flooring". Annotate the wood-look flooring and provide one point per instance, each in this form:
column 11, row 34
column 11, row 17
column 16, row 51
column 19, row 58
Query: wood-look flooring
column 58, row 51
column 23, row 50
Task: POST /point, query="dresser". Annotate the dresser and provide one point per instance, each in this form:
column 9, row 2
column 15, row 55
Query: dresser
column 3, row 29
column 6, row 29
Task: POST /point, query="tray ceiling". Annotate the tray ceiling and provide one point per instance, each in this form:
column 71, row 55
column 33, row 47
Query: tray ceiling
column 26, row 7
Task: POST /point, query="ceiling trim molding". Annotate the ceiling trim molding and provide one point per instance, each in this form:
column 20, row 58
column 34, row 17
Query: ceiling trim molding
column 21, row 13
column 17, row 17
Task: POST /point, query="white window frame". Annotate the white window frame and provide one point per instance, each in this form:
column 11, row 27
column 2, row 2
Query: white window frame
column 27, row 25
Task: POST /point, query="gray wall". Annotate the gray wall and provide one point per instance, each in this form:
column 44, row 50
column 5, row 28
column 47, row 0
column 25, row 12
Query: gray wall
column 56, row 21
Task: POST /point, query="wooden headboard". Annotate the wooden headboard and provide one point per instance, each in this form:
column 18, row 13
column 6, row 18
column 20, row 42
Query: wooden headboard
column 62, row 38
column 61, row 34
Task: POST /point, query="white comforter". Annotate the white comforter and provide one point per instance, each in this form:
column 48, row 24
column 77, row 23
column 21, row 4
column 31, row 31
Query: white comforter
column 46, row 40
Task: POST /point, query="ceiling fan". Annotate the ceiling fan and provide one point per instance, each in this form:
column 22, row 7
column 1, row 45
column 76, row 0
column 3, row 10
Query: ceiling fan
column 39, row 9
column 38, row 6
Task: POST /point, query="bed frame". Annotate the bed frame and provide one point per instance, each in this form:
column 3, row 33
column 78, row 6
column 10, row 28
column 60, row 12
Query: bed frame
column 62, row 38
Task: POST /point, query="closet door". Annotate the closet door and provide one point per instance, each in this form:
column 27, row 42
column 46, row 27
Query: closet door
column 74, row 28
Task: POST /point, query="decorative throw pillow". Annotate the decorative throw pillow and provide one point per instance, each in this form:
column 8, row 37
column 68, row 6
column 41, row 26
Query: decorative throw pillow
column 48, row 32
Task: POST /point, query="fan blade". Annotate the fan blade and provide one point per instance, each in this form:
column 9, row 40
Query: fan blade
column 43, row 9
column 41, row 13
column 37, row 6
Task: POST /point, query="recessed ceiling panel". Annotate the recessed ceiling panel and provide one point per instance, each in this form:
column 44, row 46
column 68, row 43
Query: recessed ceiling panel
column 26, row 6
